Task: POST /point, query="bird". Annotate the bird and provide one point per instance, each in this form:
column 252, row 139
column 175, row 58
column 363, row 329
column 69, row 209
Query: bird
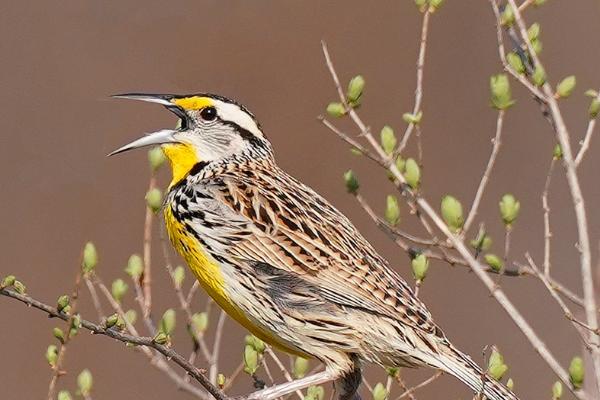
column 284, row 262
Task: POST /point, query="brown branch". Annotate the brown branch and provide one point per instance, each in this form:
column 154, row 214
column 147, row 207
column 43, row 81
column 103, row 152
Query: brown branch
column 577, row 198
column 479, row 270
column 146, row 342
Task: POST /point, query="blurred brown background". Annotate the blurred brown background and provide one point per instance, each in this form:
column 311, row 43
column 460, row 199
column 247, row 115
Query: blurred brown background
column 61, row 61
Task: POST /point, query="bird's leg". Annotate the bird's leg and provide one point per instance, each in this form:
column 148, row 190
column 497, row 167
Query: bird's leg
column 276, row 391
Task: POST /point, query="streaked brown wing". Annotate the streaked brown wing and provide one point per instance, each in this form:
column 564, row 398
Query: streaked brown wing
column 296, row 230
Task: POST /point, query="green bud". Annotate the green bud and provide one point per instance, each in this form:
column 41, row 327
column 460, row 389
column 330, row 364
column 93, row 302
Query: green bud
column 300, row 367
column 135, row 266
column 557, row 153
column 167, row 322
column 351, row 181
column 577, row 372
column 58, row 334
column 510, row 384
column 356, row 151
column 131, row 316
column 62, row 302
column 452, row 213
column 515, row 62
column 509, row 209
column 412, row 173
column 420, row 265
column 111, row 320
column 178, row 276
column 401, row 164
column 538, row 3
column 200, row 322
column 411, row 118
column 355, row 90
column 507, row 17
column 566, row 86
column 534, row 31
column 392, row 210
column 8, row 280
column 496, row 366
column 594, row 108
column 501, row 94
column 591, row 93
column 557, row 390
column 420, row 3
column 536, row 44
column 119, row 289
column 494, row 262
column 250, row 360
column 154, row 199
column 75, row 325
column 160, row 338
column 256, row 343
column 156, row 158
column 388, row 140
column 394, row 372
column 90, row 258
column 482, row 242
column 221, row 380
column 379, row 392
column 539, row 76
column 52, row 355
column 64, row 395
column 435, row 4
column 315, row 393
column 19, row 287
column 336, row 110
column 85, row 382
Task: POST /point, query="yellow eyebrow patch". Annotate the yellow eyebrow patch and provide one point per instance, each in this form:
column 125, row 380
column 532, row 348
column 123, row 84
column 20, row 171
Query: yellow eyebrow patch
column 193, row 103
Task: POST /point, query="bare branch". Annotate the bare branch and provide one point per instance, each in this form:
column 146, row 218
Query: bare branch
column 146, row 342
column 419, row 88
column 479, row 270
column 496, row 142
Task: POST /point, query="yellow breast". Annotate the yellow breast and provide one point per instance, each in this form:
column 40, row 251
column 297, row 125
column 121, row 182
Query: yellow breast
column 209, row 275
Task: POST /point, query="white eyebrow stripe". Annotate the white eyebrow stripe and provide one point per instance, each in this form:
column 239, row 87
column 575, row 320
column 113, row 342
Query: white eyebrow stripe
column 232, row 112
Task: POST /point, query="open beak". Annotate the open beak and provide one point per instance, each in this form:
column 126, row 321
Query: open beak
column 155, row 138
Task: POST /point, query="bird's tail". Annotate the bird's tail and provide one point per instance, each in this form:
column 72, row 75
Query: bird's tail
column 462, row 367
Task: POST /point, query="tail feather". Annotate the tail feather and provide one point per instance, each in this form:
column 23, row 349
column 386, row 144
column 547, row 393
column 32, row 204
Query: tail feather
column 462, row 367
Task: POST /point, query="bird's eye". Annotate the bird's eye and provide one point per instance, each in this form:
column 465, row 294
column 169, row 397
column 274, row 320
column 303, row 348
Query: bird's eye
column 208, row 113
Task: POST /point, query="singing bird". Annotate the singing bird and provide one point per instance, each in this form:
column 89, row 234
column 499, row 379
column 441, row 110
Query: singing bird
column 285, row 263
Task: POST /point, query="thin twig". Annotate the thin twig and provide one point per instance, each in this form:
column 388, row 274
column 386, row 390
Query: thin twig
column 282, row 368
column 214, row 358
column 546, row 208
column 419, row 88
column 56, row 369
column 585, row 144
column 565, row 309
column 496, row 142
column 147, row 276
column 420, row 385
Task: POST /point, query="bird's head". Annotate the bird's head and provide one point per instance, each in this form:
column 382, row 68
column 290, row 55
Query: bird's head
column 211, row 128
